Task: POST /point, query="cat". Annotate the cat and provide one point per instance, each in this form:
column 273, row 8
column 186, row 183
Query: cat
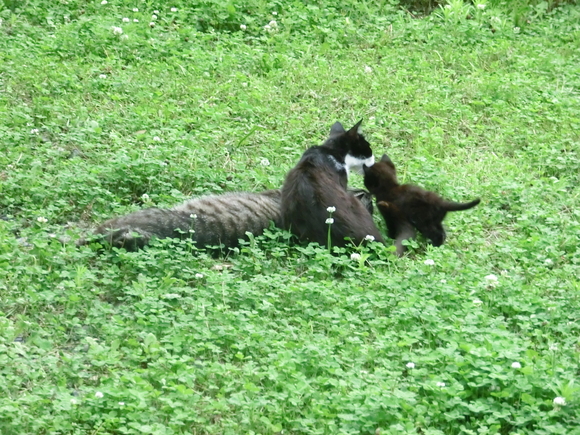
column 215, row 220
column 319, row 181
column 211, row 220
column 407, row 208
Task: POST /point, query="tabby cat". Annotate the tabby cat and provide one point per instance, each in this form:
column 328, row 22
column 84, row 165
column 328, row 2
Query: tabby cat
column 407, row 208
column 214, row 219
column 211, row 220
column 319, row 181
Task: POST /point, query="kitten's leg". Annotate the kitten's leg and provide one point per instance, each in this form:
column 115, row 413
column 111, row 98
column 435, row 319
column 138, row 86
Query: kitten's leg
column 405, row 231
column 434, row 232
column 398, row 227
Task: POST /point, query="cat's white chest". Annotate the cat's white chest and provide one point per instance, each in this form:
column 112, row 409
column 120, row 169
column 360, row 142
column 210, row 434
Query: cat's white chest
column 356, row 164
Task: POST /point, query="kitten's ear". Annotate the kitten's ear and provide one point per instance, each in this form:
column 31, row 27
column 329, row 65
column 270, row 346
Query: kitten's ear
column 336, row 129
column 386, row 159
column 356, row 129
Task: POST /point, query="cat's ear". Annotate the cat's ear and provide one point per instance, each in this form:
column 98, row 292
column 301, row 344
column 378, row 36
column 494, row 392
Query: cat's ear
column 336, row 129
column 356, row 129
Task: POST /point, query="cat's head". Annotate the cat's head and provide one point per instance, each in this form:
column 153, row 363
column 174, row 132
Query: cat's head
column 357, row 151
column 382, row 175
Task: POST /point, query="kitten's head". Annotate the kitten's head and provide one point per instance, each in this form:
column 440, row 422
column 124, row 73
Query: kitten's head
column 380, row 176
column 357, row 151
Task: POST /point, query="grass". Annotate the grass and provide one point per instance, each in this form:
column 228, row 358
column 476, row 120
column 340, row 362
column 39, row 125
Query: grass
column 277, row 338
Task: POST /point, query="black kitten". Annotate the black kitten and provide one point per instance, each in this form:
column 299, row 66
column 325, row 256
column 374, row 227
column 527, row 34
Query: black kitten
column 319, row 181
column 407, row 208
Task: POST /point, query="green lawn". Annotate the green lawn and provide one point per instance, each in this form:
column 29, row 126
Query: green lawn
column 477, row 337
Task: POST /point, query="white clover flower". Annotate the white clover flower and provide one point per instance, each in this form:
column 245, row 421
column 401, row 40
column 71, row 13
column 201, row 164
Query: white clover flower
column 74, row 402
column 145, row 197
column 559, row 401
column 173, row 9
column 126, row 20
column 156, row 138
column 440, row 384
column 355, row 256
column 199, row 275
column 193, row 216
column 329, row 221
column 244, row 85
column 370, row 238
column 273, row 24
column 265, row 162
column 274, row 13
column 42, row 219
column 117, row 30
column 243, row 27
column 267, row 28
column 330, row 209
column 517, row 30
column 99, row 395
column 491, row 279
column 410, row 365
column 135, row 20
column 102, row 76
column 153, row 17
column 477, row 302
column 171, row 296
column 104, row 2
column 481, row 6
column 34, row 131
column 121, row 403
column 368, row 69
column 516, row 365
column 151, row 24
column 156, row 12
column 135, row 10
column 429, row 262
column 553, row 347
column 548, row 262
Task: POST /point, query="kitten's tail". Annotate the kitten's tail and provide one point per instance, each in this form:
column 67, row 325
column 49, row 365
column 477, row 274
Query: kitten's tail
column 457, row 206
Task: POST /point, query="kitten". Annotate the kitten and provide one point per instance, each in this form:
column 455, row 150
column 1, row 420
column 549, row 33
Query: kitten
column 214, row 219
column 319, row 181
column 211, row 220
column 407, row 208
